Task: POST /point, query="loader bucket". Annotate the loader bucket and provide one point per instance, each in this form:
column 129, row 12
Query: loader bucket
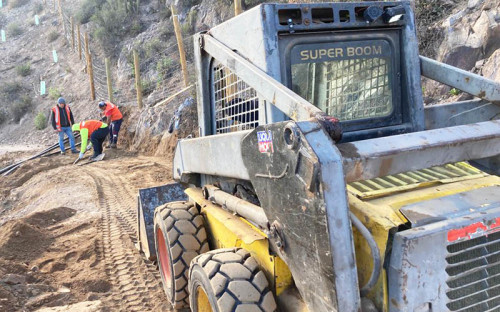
column 148, row 200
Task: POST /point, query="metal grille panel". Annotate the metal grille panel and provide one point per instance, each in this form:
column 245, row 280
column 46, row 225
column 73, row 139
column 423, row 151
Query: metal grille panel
column 358, row 88
column 236, row 105
column 474, row 274
column 413, row 179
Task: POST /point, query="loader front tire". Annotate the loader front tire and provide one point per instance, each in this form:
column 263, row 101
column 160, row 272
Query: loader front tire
column 228, row 280
column 180, row 236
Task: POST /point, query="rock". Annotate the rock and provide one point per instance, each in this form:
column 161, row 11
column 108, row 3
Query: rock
column 48, row 298
column 463, row 57
column 473, row 4
column 92, row 297
column 452, row 20
column 481, row 28
column 35, row 268
column 14, row 279
column 491, row 68
column 488, row 4
column 492, row 41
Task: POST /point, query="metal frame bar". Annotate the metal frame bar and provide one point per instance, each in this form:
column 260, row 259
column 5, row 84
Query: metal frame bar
column 413, row 151
column 471, row 83
column 295, row 107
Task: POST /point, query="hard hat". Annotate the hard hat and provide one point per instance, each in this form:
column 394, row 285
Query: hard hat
column 102, row 104
column 61, row 101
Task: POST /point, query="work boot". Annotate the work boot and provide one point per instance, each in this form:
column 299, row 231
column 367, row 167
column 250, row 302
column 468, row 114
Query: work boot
column 74, row 152
column 113, row 145
column 63, row 152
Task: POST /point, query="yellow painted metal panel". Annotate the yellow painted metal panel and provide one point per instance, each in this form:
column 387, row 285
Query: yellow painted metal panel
column 405, row 181
column 228, row 230
column 379, row 210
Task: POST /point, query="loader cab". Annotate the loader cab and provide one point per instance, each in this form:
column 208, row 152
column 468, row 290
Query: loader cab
column 354, row 65
column 357, row 62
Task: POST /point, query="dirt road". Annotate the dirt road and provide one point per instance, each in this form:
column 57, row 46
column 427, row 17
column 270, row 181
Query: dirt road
column 67, row 236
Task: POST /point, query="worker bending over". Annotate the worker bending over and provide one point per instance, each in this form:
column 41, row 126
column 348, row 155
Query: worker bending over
column 96, row 131
column 113, row 118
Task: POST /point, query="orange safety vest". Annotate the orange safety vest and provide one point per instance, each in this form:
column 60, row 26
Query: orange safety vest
column 57, row 118
column 115, row 113
column 90, row 125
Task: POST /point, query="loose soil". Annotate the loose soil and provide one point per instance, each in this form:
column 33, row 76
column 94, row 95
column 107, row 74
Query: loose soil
column 67, row 235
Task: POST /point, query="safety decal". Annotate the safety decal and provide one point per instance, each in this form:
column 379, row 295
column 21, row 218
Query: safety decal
column 265, row 139
column 474, row 230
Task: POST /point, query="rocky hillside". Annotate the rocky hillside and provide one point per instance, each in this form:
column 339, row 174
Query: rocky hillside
column 470, row 40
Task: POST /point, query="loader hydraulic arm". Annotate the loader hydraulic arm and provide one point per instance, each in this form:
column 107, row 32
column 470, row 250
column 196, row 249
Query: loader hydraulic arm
column 471, row 83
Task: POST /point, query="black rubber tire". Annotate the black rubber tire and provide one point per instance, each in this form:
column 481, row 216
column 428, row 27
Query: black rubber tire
column 232, row 281
column 185, row 238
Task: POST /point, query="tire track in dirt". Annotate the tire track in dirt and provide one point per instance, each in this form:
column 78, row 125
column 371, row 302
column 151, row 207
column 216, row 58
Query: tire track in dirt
column 136, row 282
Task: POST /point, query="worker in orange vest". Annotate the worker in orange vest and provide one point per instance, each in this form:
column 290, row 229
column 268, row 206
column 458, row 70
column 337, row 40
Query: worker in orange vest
column 62, row 120
column 113, row 118
column 95, row 130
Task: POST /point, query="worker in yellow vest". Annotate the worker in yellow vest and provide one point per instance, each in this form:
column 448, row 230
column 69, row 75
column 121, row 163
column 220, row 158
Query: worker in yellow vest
column 94, row 130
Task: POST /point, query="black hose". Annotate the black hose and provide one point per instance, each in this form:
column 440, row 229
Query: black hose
column 7, row 170
column 377, row 263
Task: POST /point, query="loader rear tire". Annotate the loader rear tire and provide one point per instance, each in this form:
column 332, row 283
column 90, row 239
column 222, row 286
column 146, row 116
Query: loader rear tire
column 179, row 237
column 228, row 280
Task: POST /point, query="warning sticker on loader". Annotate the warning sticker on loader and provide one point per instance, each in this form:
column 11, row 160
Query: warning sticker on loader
column 265, row 139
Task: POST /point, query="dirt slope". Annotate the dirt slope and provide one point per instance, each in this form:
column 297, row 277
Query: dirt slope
column 67, row 236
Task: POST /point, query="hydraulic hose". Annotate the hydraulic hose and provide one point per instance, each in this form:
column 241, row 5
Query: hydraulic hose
column 377, row 264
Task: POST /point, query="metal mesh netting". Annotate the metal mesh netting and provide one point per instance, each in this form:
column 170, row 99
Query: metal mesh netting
column 358, row 89
column 349, row 89
column 236, row 103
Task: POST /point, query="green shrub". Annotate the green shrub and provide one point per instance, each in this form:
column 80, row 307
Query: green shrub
column 20, row 107
column 112, row 22
column 164, row 69
column 147, row 87
column 53, row 35
column 153, row 47
column 40, row 121
column 190, row 23
column 17, row 3
column 87, row 10
column 14, row 29
column 136, row 28
column 54, row 93
column 10, row 90
column 455, row 91
column 165, row 13
column 23, row 69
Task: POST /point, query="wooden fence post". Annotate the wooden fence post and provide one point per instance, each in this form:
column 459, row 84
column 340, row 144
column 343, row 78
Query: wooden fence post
column 237, row 7
column 180, row 44
column 108, row 80
column 72, row 34
column 89, row 67
column 138, row 85
column 79, row 41
column 61, row 16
